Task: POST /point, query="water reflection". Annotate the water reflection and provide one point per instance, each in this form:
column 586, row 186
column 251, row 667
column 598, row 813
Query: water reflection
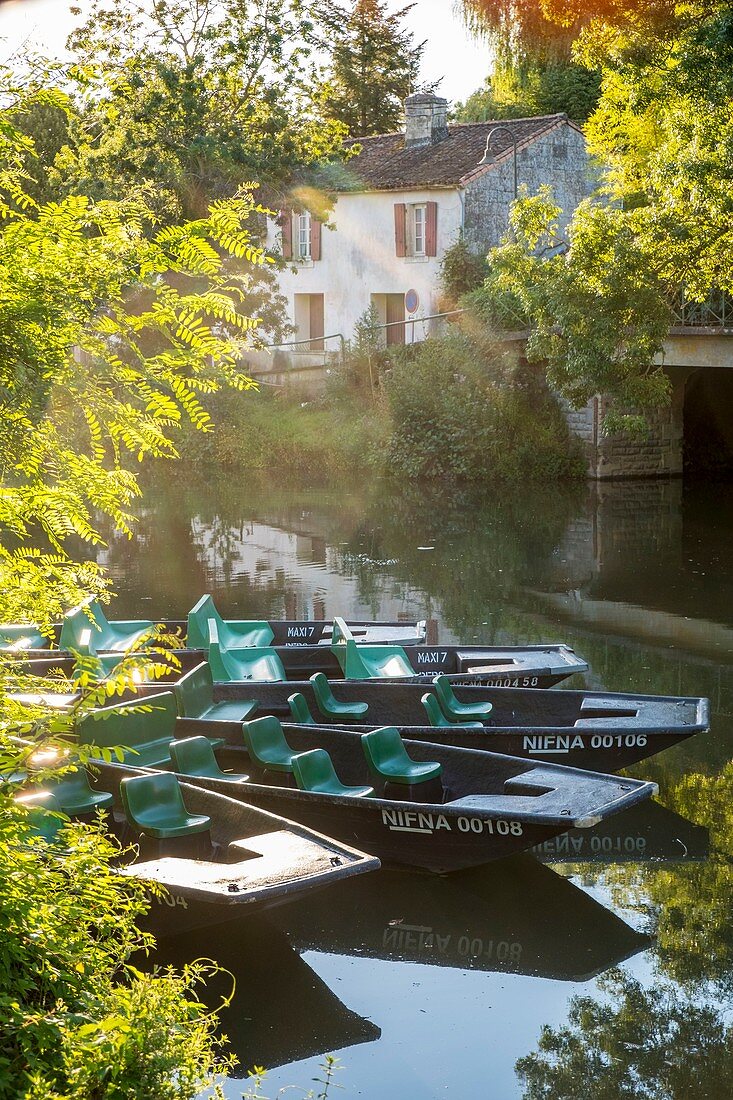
column 637, row 578
column 477, row 919
column 281, row 1011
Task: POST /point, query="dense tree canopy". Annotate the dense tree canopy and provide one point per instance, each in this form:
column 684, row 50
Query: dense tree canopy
column 375, row 65
column 112, row 332
column 663, row 130
column 184, row 101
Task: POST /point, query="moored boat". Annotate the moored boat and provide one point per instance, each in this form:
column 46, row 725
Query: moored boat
column 217, row 857
column 248, row 651
column 600, row 731
column 440, row 808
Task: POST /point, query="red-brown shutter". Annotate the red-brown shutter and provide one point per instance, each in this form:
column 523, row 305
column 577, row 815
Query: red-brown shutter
column 315, row 239
column 400, row 229
column 286, row 220
column 431, row 229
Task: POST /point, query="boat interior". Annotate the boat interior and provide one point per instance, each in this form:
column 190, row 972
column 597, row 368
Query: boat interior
column 185, row 837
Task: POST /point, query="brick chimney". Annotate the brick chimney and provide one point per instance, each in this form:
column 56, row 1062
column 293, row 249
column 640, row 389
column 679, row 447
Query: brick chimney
column 426, row 119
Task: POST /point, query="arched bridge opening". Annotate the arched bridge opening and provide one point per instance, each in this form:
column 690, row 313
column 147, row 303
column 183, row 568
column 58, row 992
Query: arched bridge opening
column 708, row 424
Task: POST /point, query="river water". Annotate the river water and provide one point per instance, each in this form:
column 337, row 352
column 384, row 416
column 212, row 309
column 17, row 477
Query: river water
column 610, row 977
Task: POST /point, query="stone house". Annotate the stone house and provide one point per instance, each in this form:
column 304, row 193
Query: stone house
column 400, row 202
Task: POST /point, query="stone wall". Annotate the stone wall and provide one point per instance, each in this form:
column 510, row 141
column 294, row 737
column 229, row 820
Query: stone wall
column 659, row 454
column 560, row 159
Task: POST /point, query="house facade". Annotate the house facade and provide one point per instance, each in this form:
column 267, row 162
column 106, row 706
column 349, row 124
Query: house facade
column 404, row 199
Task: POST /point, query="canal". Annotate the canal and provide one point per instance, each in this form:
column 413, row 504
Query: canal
column 601, row 966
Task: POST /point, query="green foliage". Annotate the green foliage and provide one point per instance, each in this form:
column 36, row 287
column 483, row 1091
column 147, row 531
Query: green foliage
column 185, row 101
column 113, row 333
column 597, row 312
column 640, row 1043
column 302, row 436
column 662, row 130
column 461, row 271
column 374, row 66
column 462, row 411
column 78, row 1019
column 522, row 90
column 359, row 372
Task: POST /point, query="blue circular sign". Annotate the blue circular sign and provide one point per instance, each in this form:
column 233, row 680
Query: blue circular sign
column 412, row 301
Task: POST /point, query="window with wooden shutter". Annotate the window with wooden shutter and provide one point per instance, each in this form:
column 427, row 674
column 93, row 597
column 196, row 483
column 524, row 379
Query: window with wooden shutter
column 315, row 239
column 400, row 229
column 431, row 229
column 286, row 221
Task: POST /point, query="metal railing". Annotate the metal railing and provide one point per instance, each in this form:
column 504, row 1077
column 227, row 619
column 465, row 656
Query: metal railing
column 715, row 312
column 308, row 349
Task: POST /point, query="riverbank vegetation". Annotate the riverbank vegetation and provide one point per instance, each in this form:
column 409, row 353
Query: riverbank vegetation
column 455, row 407
column 600, row 295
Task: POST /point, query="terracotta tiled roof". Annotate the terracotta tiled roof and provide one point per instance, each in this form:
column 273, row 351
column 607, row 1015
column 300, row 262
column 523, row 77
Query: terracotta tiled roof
column 384, row 164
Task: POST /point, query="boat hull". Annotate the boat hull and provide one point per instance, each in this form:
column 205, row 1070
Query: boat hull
column 546, row 726
column 491, row 805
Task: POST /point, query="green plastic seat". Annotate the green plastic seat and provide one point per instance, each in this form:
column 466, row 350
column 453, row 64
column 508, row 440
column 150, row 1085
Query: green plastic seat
column 19, row 636
column 145, row 734
column 314, row 771
column 154, row 805
column 233, row 633
column 329, row 705
column 438, row 719
column 118, row 635
column 195, row 756
column 452, row 707
column 43, row 809
column 255, row 663
column 368, row 662
column 75, row 796
column 387, row 757
column 194, row 694
column 266, row 744
column 299, row 709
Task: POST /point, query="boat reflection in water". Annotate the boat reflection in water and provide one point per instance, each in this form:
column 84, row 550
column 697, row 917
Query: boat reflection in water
column 515, row 916
column 281, row 1010
column 646, row 832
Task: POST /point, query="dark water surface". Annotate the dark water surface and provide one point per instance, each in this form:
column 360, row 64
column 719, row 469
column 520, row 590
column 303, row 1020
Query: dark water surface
column 432, row 986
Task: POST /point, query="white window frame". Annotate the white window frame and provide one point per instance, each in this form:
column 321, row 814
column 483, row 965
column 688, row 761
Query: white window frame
column 303, row 236
column 418, row 231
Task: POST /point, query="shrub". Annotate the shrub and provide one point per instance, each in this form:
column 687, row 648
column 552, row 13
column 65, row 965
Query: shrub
column 462, row 410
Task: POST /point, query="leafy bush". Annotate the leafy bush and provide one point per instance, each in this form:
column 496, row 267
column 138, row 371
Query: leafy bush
column 462, row 410
column 461, row 271
column 78, row 1020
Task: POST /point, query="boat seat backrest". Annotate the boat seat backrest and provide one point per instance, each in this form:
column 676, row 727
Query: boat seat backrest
column 257, row 663
column 155, row 802
column 433, row 711
column 266, row 743
column 18, row 636
column 452, row 707
column 329, row 705
column 388, row 758
column 368, row 662
column 131, row 724
column 340, row 631
column 314, row 771
column 42, row 807
column 87, row 616
column 194, row 692
column 197, row 627
column 75, row 796
column 299, row 709
column 194, row 756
